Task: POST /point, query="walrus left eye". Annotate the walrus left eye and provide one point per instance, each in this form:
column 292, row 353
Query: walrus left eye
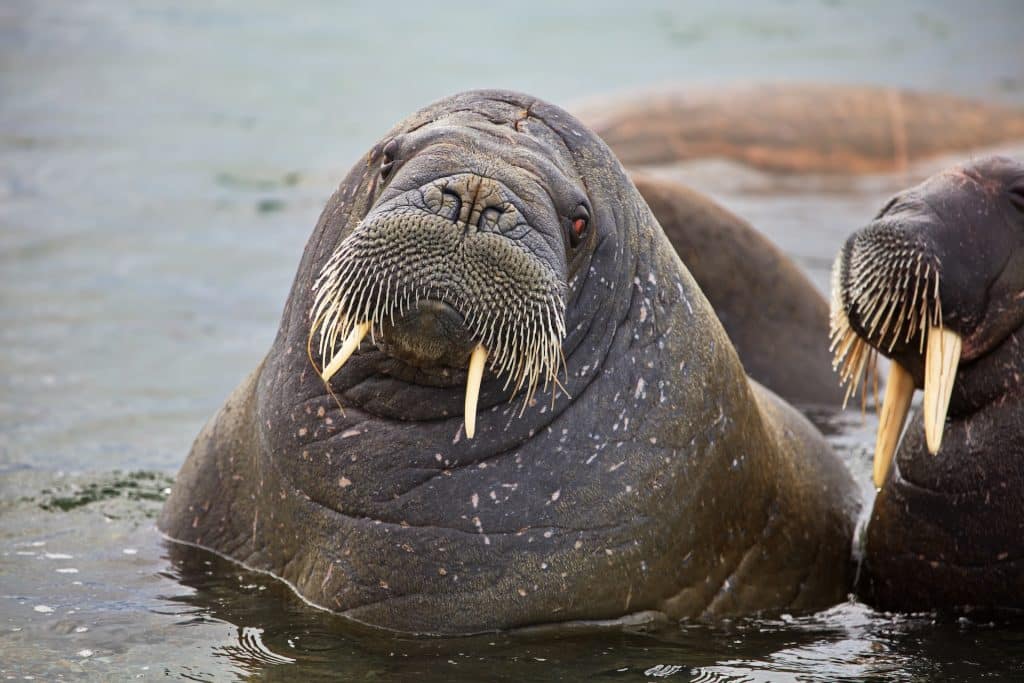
column 387, row 164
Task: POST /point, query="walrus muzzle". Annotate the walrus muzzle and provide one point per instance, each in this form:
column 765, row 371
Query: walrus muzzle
column 443, row 276
column 886, row 295
column 933, row 282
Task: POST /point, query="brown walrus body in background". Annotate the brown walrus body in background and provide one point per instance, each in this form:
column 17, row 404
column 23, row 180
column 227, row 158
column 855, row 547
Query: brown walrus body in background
column 773, row 315
column 797, row 128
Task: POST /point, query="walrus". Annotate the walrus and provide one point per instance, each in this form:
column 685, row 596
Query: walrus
column 936, row 283
column 798, row 127
column 497, row 398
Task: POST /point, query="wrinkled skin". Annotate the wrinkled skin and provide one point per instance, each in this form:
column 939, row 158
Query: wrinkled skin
column 668, row 485
column 946, row 530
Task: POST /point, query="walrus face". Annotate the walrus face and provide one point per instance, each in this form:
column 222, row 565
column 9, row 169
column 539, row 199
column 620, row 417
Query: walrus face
column 448, row 270
column 936, row 283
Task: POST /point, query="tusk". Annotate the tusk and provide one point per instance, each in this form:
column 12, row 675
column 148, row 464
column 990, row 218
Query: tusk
column 473, row 378
column 940, row 364
column 899, row 389
column 352, row 342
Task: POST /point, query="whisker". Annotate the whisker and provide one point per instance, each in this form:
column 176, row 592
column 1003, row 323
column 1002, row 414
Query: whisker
column 520, row 320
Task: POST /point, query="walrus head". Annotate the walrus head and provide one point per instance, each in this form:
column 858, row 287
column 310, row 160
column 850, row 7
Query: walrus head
column 936, row 283
column 464, row 266
column 463, row 257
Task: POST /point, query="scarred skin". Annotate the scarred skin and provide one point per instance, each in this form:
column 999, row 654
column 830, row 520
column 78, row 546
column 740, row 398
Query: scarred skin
column 798, row 128
column 946, row 530
column 669, row 485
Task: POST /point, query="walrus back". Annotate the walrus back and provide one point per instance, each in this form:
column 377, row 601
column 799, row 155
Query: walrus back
column 798, row 128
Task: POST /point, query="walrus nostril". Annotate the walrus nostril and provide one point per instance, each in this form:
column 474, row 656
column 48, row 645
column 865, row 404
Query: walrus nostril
column 489, row 218
column 451, row 205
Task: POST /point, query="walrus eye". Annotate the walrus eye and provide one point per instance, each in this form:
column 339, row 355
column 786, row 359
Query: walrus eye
column 888, row 205
column 389, row 153
column 1017, row 197
column 580, row 223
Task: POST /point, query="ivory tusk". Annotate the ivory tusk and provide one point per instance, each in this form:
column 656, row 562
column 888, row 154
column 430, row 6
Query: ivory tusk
column 940, row 363
column 473, row 378
column 352, row 342
column 899, row 390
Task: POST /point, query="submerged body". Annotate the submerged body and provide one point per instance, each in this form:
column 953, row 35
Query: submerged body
column 647, row 476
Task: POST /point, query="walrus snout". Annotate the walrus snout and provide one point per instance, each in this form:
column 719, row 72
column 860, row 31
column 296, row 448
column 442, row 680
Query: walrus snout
column 430, row 334
column 887, row 283
column 948, row 253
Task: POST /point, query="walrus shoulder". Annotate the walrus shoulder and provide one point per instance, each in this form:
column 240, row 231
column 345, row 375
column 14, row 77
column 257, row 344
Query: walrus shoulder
column 771, row 311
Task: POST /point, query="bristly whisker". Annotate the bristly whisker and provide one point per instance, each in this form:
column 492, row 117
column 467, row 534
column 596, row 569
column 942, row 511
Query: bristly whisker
column 522, row 329
column 877, row 285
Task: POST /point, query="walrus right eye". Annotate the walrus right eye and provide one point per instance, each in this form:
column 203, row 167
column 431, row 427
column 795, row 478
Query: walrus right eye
column 387, row 164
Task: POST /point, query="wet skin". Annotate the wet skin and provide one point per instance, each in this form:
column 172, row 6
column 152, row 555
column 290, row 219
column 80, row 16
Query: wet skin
column 772, row 313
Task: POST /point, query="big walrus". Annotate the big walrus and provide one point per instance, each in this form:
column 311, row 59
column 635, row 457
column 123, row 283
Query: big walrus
column 532, row 414
column 936, row 282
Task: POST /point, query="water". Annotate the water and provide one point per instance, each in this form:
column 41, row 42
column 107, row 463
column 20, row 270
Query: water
column 163, row 164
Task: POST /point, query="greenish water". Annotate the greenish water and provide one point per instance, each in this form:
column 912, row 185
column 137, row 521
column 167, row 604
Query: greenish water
column 163, row 164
